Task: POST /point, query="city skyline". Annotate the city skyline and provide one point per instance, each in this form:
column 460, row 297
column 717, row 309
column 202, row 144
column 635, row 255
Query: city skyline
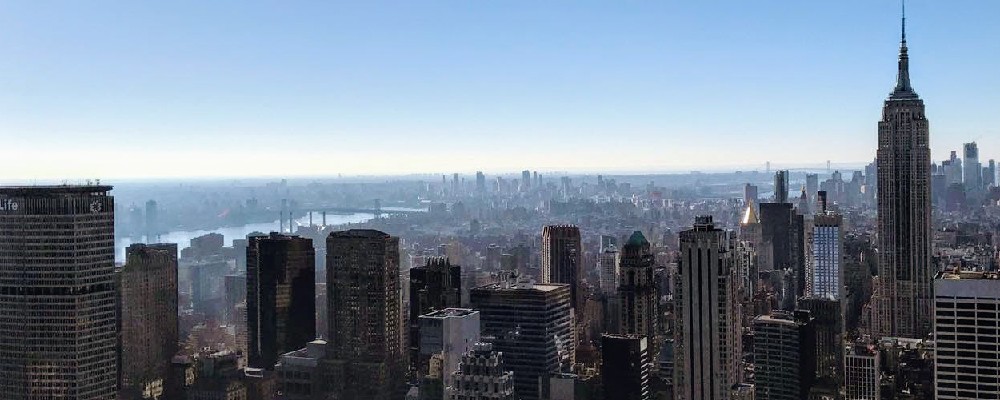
column 207, row 88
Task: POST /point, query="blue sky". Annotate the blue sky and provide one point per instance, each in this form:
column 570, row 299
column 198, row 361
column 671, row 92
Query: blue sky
column 192, row 88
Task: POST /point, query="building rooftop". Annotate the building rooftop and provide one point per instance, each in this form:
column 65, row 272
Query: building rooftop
column 360, row 233
column 953, row 275
column 449, row 312
column 54, row 190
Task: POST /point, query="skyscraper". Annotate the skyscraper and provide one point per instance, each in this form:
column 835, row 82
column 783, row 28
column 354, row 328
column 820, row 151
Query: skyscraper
column 965, row 335
column 972, row 169
column 436, row 285
column 58, row 333
column 824, row 268
column 637, row 291
column 750, row 194
column 781, row 186
column 562, row 258
column 904, row 209
column 625, row 366
column 532, row 327
column 862, row 374
column 607, row 262
column 366, row 357
column 812, row 186
column 706, row 339
column 445, row 335
column 480, row 183
column 784, row 355
column 148, row 319
column 281, row 296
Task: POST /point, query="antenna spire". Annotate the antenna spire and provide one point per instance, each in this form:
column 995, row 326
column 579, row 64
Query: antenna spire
column 903, row 89
column 903, row 2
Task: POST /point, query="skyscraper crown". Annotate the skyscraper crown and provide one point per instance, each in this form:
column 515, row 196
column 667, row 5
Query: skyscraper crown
column 903, row 90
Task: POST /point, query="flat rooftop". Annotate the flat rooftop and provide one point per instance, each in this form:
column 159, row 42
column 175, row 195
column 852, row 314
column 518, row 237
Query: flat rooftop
column 952, row 275
column 53, row 190
column 449, row 312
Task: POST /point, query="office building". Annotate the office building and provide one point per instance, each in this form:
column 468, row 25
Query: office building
column 532, row 326
column 447, row 334
column 781, row 187
column 784, row 355
column 482, row 374
column 824, row 268
column 637, row 291
column 281, row 296
column 812, row 186
column 562, row 259
column 364, row 297
column 57, row 293
column 750, row 194
column 966, row 336
column 972, row 169
column 299, row 372
column 480, row 183
column 904, row 210
column 707, row 342
column 436, row 285
column 828, row 321
column 148, row 319
column 607, row 262
column 625, row 367
column 862, row 376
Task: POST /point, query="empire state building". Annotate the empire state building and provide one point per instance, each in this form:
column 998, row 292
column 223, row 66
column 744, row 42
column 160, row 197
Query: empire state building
column 904, row 211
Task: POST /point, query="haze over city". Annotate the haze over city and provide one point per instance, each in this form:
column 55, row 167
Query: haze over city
column 193, row 89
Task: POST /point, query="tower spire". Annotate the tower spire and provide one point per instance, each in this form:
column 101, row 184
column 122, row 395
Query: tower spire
column 903, row 89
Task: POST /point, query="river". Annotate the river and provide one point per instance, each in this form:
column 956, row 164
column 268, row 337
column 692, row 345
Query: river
column 183, row 238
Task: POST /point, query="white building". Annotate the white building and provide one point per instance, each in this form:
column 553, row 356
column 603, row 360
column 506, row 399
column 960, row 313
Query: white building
column 861, row 374
column 448, row 334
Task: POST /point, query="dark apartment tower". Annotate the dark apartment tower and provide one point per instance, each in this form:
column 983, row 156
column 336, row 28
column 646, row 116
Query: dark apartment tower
column 637, row 290
column 532, row 326
column 707, row 341
column 281, row 296
column 58, row 330
column 781, row 187
column 367, row 358
column 148, row 318
column 625, row 363
column 904, row 210
column 435, row 286
column 784, row 355
column 562, row 258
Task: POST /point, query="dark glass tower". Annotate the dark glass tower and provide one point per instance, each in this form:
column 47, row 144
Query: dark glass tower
column 434, row 286
column 281, row 296
column 904, row 210
column 58, row 325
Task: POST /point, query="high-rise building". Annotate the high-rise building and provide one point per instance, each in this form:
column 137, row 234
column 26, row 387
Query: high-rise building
column 625, row 367
column 152, row 222
column 824, row 268
column 58, row 333
column 904, row 210
column 525, row 180
column 482, row 374
column 750, row 194
column 532, row 326
column 965, row 335
column 972, row 169
column 862, row 374
column 148, row 319
column 562, row 259
column 366, row 354
column 812, row 186
column 434, row 286
column 637, row 291
column 784, row 355
column 781, row 186
column 992, row 174
column 607, row 262
column 828, row 319
column 448, row 335
column 480, row 182
column 281, row 296
column 707, row 342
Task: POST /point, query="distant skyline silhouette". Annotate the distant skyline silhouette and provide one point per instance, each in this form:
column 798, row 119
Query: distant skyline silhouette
column 125, row 90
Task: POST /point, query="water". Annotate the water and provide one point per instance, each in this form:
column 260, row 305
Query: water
column 183, row 238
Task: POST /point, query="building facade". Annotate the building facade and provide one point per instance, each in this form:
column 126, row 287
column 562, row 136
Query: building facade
column 625, row 367
column 904, row 210
column 824, row 270
column 707, row 340
column 482, row 374
column 532, row 326
column 966, row 336
column 281, row 296
column 784, row 356
column 148, row 319
column 434, row 286
column 637, row 292
column 364, row 297
column 862, row 376
column 58, row 293
column 562, row 259
column 447, row 334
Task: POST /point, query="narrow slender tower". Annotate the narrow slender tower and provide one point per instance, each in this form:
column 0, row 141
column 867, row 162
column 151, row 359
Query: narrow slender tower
column 904, row 209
